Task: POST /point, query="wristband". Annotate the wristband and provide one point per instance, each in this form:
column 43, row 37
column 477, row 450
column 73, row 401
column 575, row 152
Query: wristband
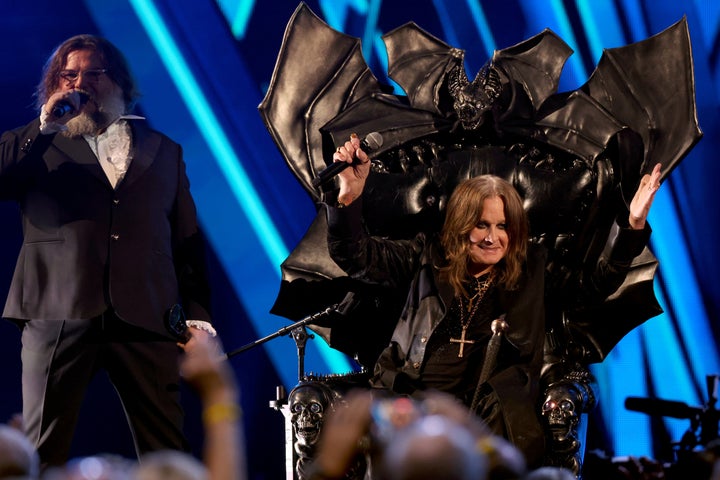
column 221, row 412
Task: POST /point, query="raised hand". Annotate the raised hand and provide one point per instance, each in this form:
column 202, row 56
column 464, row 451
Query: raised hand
column 643, row 198
column 352, row 180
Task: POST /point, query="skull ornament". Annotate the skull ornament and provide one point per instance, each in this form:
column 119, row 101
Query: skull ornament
column 562, row 416
column 309, row 403
column 565, row 402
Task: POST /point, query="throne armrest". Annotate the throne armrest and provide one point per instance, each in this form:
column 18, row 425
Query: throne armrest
column 567, row 400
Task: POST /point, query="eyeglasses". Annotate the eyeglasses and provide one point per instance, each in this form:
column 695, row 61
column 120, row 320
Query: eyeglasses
column 92, row 75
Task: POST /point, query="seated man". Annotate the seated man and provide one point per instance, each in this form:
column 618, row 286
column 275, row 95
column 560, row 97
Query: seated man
column 478, row 269
column 575, row 158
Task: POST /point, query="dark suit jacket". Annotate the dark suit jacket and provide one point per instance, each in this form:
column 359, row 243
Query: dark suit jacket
column 87, row 246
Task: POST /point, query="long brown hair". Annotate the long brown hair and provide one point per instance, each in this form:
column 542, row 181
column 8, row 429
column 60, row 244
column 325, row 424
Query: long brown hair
column 112, row 59
column 464, row 209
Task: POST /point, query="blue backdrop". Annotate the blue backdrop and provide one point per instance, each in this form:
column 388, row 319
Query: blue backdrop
column 203, row 67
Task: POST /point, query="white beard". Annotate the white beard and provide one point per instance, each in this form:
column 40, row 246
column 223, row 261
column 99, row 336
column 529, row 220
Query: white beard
column 108, row 110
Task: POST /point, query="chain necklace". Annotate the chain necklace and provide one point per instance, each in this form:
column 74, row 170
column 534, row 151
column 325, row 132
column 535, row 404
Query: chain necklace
column 467, row 312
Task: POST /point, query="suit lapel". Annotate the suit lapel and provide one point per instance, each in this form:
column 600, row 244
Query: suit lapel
column 144, row 150
column 78, row 151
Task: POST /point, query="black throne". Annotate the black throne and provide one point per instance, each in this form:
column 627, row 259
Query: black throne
column 575, row 158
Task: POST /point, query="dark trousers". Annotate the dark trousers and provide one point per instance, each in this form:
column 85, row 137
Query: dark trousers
column 60, row 358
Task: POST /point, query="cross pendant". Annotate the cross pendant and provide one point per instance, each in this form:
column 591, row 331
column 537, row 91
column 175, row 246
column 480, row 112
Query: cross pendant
column 462, row 341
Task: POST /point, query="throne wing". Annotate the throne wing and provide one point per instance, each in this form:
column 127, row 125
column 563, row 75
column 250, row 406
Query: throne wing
column 650, row 87
column 318, row 73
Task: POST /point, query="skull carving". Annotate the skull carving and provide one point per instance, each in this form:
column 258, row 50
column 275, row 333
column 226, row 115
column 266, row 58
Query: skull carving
column 560, row 413
column 565, row 402
column 309, row 403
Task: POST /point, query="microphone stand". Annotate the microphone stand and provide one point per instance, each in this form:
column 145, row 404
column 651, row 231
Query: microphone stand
column 299, row 334
column 281, row 402
column 283, row 331
column 175, row 323
column 298, row 330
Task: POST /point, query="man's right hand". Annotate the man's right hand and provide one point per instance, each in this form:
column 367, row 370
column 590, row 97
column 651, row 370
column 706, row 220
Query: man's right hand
column 75, row 99
column 352, row 180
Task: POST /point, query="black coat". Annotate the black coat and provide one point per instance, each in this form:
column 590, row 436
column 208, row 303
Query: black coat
column 87, row 246
column 414, row 265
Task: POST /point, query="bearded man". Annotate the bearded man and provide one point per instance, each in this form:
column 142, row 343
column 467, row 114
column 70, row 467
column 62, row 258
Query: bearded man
column 110, row 245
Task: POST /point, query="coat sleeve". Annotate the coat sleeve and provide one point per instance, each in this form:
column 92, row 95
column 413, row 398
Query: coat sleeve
column 18, row 148
column 189, row 252
column 372, row 259
column 613, row 265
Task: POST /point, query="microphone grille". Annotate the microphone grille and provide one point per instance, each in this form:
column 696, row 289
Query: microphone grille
column 374, row 140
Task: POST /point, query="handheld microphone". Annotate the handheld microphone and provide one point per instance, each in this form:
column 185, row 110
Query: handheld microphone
column 63, row 107
column 371, row 142
column 175, row 323
column 347, row 304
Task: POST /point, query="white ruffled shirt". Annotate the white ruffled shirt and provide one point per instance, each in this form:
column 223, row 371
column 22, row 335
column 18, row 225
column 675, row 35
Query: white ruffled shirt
column 112, row 147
